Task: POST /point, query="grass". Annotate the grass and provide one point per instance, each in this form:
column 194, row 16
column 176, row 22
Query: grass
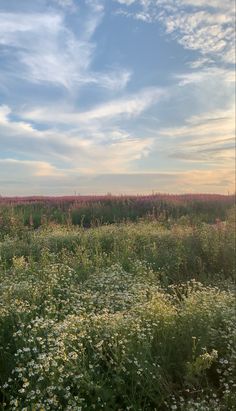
column 88, row 211
column 130, row 316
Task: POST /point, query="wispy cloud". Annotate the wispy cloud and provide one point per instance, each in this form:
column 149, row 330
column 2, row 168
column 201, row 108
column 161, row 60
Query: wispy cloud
column 66, row 4
column 207, row 138
column 46, row 50
column 100, row 153
column 206, row 26
column 206, row 181
column 36, row 168
column 208, row 74
column 129, row 106
column 75, row 116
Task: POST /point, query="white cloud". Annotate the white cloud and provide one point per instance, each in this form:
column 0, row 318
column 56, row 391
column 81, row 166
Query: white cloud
column 46, row 50
column 207, row 138
column 208, row 75
column 210, row 33
column 105, row 161
column 206, row 26
column 201, row 62
column 101, row 152
column 66, row 4
column 126, row 2
column 129, row 106
column 115, row 80
column 28, row 167
column 215, row 4
column 60, row 143
column 194, row 181
column 4, row 112
column 116, row 157
column 15, row 127
column 219, row 123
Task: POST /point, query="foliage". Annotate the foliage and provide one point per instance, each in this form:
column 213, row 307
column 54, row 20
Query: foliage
column 130, row 316
column 88, row 211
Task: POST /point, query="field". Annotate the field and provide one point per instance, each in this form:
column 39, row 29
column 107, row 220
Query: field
column 117, row 303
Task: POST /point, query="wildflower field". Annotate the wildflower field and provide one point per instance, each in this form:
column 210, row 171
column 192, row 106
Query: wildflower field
column 117, row 304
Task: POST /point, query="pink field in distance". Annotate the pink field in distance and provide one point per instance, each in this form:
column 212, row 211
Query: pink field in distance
column 95, row 198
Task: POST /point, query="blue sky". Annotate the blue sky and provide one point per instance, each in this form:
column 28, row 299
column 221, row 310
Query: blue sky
column 121, row 96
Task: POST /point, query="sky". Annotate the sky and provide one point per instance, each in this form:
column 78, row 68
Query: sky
column 118, row 96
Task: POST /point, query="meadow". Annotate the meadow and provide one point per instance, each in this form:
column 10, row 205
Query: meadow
column 117, row 303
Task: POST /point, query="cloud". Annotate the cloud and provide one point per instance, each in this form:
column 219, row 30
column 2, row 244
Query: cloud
column 9, row 127
column 47, row 51
column 60, row 130
column 28, row 167
column 205, row 26
column 208, row 138
column 215, row 4
column 44, row 49
column 213, row 124
column 4, row 112
column 126, row 2
column 201, row 62
column 204, row 181
column 210, row 74
column 210, row 33
column 106, row 160
column 214, row 155
column 66, row 4
column 111, row 151
column 128, row 106
column 116, row 157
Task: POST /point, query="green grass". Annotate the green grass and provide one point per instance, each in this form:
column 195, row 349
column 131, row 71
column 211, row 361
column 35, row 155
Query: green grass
column 130, row 316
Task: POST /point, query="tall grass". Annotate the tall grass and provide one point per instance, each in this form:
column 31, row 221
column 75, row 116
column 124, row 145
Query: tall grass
column 131, row 316
column 176, row 254
column 89, row 211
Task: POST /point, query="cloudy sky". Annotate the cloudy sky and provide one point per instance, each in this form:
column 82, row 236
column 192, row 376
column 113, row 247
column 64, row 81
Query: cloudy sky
column 121, row 96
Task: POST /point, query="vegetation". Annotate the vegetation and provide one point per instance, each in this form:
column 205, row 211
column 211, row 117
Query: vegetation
column 88, row 211
column 135, row 315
